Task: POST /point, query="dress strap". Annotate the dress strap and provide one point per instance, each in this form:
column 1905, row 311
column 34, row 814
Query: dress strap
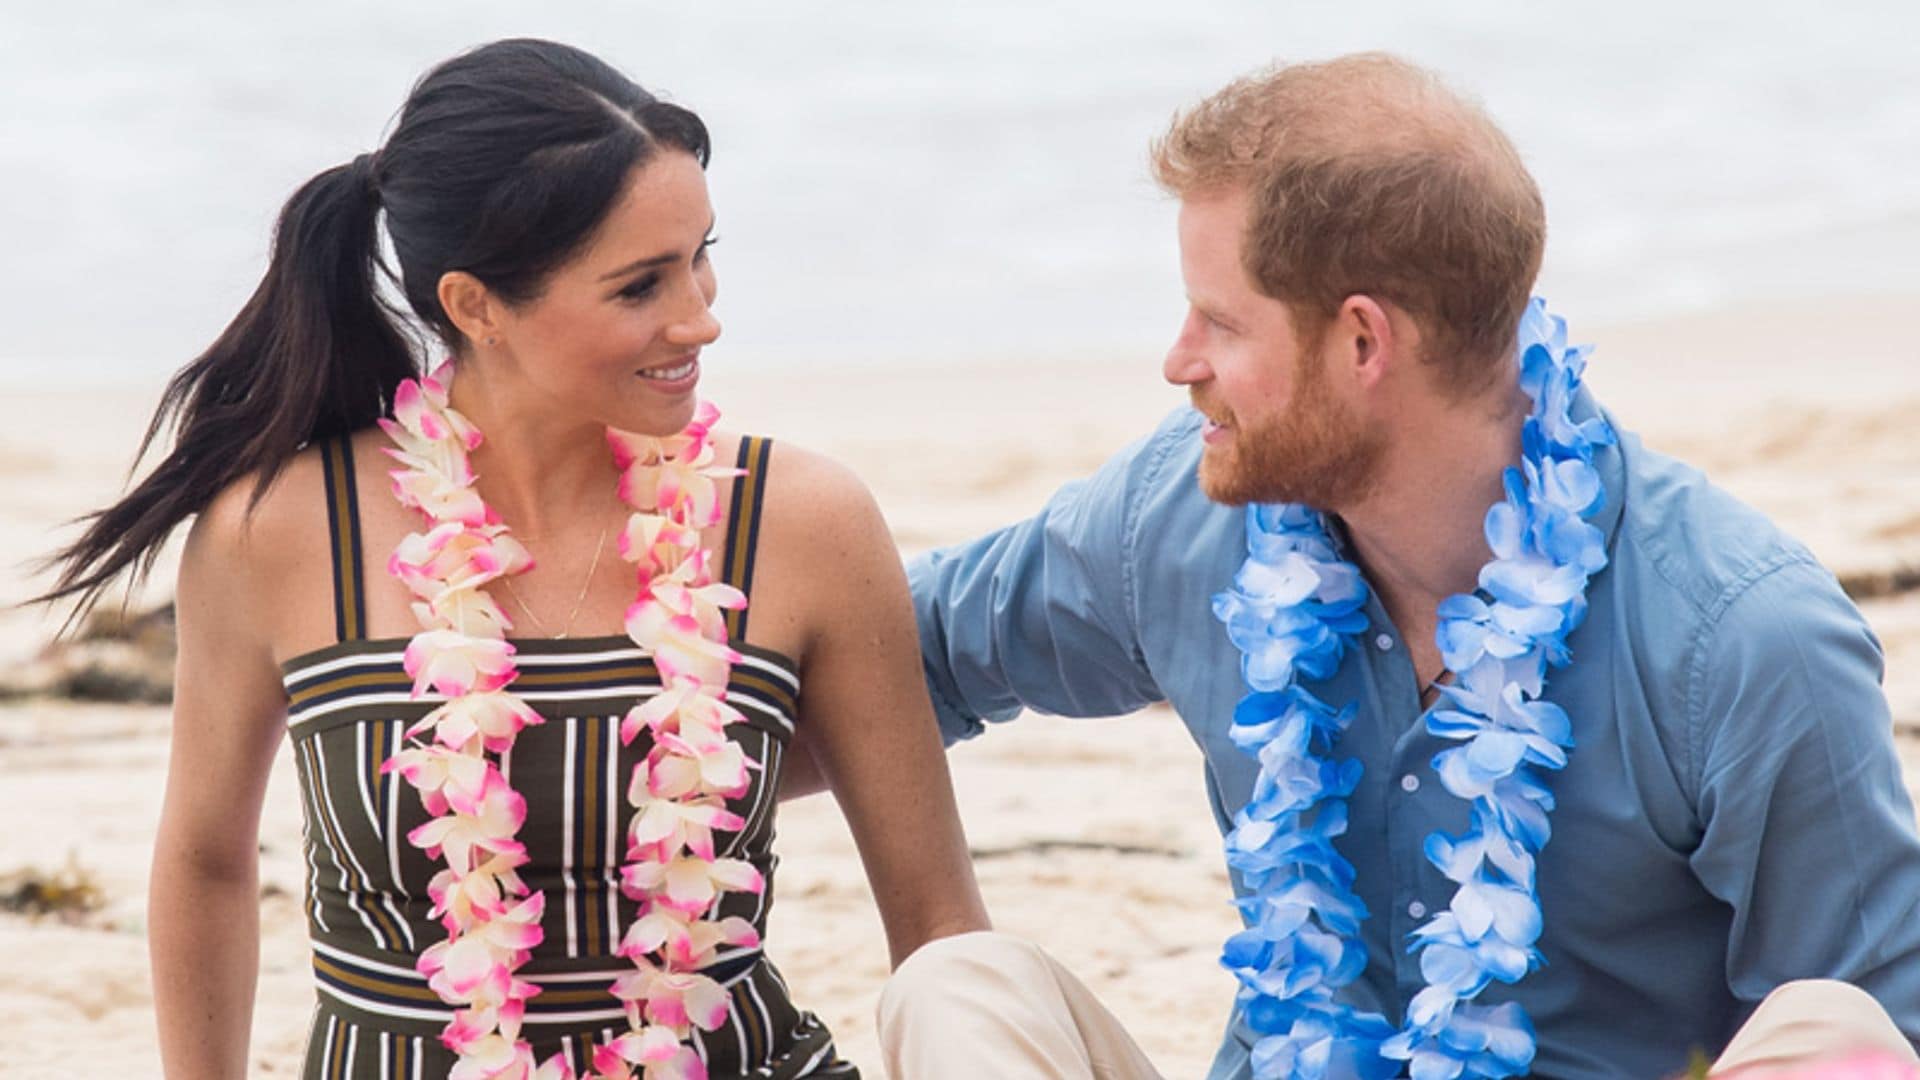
column 343, row 527
column 743, row 524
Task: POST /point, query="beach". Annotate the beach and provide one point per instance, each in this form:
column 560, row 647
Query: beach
column 1801, row 409
column 943, row 263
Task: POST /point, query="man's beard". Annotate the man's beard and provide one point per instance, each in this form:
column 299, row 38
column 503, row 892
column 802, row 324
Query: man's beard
column 1318, row 453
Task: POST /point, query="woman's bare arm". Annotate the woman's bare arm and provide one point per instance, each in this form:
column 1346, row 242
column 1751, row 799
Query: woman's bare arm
column 228, row 720
column 865, row 713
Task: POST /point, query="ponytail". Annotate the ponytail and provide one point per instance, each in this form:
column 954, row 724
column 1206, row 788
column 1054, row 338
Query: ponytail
column 504, row 161
column 314, row 352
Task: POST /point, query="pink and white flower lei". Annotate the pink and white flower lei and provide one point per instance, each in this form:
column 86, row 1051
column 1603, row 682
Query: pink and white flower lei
column 678, row 793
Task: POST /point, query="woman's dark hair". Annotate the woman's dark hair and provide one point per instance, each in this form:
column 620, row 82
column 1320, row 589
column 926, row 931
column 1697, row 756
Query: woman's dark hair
column 504, row 161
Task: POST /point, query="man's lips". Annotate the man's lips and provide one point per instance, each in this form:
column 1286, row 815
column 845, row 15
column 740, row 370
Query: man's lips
column 1214, row 425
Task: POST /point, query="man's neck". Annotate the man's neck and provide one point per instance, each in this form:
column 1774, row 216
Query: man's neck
column 1419, row 532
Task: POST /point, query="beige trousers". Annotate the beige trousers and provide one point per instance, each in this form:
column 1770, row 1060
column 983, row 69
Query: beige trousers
column 1803, row 1022
column 991, row 1005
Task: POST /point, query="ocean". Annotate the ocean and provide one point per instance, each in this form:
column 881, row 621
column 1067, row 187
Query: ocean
column 902, row 183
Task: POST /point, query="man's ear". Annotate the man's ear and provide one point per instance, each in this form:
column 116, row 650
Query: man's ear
column 1365, row 340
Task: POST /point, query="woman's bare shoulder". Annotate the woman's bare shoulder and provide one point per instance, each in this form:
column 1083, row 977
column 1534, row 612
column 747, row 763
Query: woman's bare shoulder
column 258, row 517
column 814, row 501
column 821, row 538
column 258, row 533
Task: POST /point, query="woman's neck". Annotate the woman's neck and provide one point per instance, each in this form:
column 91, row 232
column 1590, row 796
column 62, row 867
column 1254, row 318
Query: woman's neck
column 538, row 469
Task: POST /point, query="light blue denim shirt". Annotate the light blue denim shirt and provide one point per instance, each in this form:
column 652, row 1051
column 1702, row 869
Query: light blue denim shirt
column 1732, row 817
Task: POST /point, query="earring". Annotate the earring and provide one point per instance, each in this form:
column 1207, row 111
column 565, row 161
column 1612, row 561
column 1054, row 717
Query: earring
column 493, row 341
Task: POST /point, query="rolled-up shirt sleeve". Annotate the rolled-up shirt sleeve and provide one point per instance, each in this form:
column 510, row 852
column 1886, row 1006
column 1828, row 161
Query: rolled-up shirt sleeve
column 1808, row 832
column 1042, row 614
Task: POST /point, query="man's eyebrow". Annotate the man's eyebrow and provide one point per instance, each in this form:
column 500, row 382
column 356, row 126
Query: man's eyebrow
column 1208, row 308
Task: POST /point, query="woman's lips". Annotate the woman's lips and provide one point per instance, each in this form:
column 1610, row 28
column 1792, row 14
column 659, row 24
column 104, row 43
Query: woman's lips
column 673, row 378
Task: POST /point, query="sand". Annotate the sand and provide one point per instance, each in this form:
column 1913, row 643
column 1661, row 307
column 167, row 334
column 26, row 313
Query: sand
column 1806, row 410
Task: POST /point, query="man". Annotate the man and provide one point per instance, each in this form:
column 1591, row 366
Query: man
column 1358, row 245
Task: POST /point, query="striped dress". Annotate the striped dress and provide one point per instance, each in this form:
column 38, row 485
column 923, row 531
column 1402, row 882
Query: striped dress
column 349, row 705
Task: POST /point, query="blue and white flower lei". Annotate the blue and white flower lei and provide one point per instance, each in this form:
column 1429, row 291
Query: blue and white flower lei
column 1294, row 609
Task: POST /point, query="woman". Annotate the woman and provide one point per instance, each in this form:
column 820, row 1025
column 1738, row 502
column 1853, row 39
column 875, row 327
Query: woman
column 550, row 852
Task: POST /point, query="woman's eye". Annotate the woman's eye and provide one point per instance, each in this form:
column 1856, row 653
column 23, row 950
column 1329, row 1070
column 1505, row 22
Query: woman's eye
column 640, row 288
column 704, row 245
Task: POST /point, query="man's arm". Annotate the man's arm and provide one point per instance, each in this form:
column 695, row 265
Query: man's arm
column 1808, row 829
column 1043, row 614
column 1037, row 615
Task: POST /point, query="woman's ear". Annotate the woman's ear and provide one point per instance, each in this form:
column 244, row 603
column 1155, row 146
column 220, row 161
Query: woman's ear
column 472, row 307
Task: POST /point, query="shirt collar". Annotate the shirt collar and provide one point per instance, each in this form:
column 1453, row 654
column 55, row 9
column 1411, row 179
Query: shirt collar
column 1611, row 463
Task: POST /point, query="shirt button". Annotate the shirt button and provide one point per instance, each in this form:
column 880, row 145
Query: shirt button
column 1409, row 783
column 1417, row 909
column 1384, row 642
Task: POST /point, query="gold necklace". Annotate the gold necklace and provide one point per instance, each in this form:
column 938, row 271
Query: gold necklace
column 585, row 587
